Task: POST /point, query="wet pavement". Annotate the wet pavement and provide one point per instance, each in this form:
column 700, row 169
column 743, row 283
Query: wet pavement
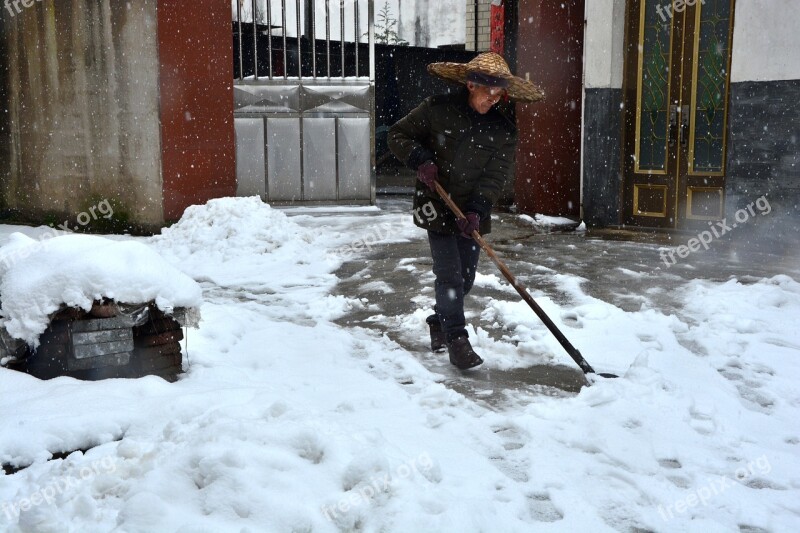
column 625, row 268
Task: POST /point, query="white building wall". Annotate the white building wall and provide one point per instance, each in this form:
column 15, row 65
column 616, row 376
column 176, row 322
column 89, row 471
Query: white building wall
column 766, row 40
column 605, row 35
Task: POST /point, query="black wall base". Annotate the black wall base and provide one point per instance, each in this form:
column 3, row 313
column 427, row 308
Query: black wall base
column 602, row 172
column 763, row 159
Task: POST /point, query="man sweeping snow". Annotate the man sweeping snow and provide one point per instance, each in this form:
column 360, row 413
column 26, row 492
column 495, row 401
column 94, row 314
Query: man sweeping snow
column 466, row 141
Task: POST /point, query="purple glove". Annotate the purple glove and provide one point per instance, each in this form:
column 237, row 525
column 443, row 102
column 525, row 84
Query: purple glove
column 469, row 224
column 426, row 173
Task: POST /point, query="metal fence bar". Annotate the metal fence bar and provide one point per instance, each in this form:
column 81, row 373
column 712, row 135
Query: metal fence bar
column 283, row 30
column 341, row 31
column 239, row 24
column 372, row 140
column 255, row 42
column 328, row 34
column 357, row 34
column 305, row 25
column 269, row 32
column 371, row 40
column 313, row 16
column 299, row 47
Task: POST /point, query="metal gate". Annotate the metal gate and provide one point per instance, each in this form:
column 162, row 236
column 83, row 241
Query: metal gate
column 304, row 107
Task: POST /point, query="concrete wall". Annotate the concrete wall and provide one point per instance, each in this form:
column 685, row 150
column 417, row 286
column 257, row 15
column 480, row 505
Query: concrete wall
column 81, row 94
column 601, row 173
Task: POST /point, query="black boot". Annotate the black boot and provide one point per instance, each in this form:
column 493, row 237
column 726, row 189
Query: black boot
column 461, row 353
column 438, row 337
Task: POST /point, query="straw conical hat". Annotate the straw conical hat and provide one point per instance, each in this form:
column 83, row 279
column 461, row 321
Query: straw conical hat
column 491, row 64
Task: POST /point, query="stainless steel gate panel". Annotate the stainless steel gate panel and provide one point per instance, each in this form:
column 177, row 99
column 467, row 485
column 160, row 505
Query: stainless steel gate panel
column 284, row 181
column 250, row 170
column 317, row 145
column 355, row 176
column 336, row 99
column 266, row 99
column 316, row 141
column 319, row 159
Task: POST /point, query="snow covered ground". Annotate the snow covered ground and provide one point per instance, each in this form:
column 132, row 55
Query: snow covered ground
column 286, row 421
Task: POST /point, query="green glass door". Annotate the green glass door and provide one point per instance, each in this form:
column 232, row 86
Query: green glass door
column 676, row 100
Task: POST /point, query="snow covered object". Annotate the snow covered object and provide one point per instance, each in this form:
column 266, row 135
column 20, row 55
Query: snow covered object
column 92, row 308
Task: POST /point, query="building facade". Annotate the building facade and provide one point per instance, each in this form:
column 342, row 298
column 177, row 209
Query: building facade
column 688, row 111
column 671, row 114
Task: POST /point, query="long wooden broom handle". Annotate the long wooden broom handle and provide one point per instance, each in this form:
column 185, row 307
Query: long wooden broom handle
column 520, row 288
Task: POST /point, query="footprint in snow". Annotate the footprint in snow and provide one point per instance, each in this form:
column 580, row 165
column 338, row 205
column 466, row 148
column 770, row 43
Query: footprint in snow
column 747, row 528
column 759, row 401
column 673, row 464
column 702, row 422
column 762, row 483
column 542, row 508
column 570, row 318
column 632, row 423
column 781, row 343
column 680, row 482
column 512, row 464
column 730, row 374
column 514, row 437
column 309, row 447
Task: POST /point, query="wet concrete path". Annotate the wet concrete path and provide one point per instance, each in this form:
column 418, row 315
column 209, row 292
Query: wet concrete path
column 623, row 268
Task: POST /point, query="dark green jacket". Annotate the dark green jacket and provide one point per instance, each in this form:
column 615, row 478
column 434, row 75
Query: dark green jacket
column 475, row 155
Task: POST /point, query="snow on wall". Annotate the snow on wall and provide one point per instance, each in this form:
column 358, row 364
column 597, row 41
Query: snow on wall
column 766, row 40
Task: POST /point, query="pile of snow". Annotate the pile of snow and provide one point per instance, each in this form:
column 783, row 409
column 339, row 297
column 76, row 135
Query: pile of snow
column 230, row 228
column 239, row 241
column 549, row 223
column 227, row 229
column 38, row 277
